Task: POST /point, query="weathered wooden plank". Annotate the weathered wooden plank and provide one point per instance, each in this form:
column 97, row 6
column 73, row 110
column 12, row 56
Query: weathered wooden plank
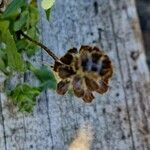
column 137, row 99
column 120, row 118
column 2, row 129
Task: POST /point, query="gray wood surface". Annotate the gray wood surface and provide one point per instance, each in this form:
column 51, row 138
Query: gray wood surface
column 117, row 120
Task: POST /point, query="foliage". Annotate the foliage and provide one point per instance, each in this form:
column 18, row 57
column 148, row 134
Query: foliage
column 22, row 16
column 24, row 96
column 47, row 5
column 13, row 58
column 45, row 76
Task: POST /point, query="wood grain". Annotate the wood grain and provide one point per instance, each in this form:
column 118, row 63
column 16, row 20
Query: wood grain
column 119, row 119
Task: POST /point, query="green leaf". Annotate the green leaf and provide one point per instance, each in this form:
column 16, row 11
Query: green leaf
column 48, row 11
column 13, row 7
column 14, row 58
column 33, row 16
column 28, row 47
column 4, row 26
column 49, row 84
column 43, row 73
column 45, row 76
column 47, row 4
column 32, row 32
column 21, row 44
column 24, row 96
column 21, row 21
column 2, row 64
column 31, row 49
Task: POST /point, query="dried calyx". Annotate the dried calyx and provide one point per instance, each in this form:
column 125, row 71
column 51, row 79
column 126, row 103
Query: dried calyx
column 86, row 71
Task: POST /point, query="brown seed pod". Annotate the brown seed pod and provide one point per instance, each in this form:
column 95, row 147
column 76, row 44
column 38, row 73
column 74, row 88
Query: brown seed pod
column 86, row 71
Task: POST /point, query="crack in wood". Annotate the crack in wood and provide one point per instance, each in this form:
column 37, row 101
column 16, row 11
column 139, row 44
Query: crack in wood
column 114, row 128
column 95, row 5
column 3, row 124
column 122, row 76
column 49, row 120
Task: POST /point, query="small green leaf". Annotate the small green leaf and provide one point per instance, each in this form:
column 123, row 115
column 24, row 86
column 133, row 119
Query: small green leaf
column 47, row 4
column 21, row 44
column 33, row 16
column 4, row 26
column 24, row 96
column 45, row 76
column 28, row 47
column 31, row 49
column 13, row 7
column 2, row 64
column 43, row 73
column 32, row 32
column 49, row 84
column 48, row 11
column 21, row 21
column 14, row 58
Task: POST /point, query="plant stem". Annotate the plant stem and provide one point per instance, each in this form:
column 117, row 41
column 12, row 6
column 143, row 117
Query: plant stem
column 49, row 52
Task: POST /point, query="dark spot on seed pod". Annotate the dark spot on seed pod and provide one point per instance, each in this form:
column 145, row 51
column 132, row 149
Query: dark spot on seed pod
column 91, row 84
column 76, row 64
column 57, row 65
column 85, row 64
column 102, row 72
column 94, row 68
column 67, row 59
column 62, row 87
column 73, row 50
column 95, row 57
column 86, row 48
column 96, row 49
column 106, row 63
column 65, row 71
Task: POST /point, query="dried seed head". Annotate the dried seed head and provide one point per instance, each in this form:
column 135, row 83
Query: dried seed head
column 86, row 71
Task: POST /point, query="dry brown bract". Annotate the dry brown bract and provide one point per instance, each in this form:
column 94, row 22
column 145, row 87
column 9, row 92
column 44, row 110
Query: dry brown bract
column 85, row 71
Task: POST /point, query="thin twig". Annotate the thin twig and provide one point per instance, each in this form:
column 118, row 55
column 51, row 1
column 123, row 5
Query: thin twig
column 50, row 53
